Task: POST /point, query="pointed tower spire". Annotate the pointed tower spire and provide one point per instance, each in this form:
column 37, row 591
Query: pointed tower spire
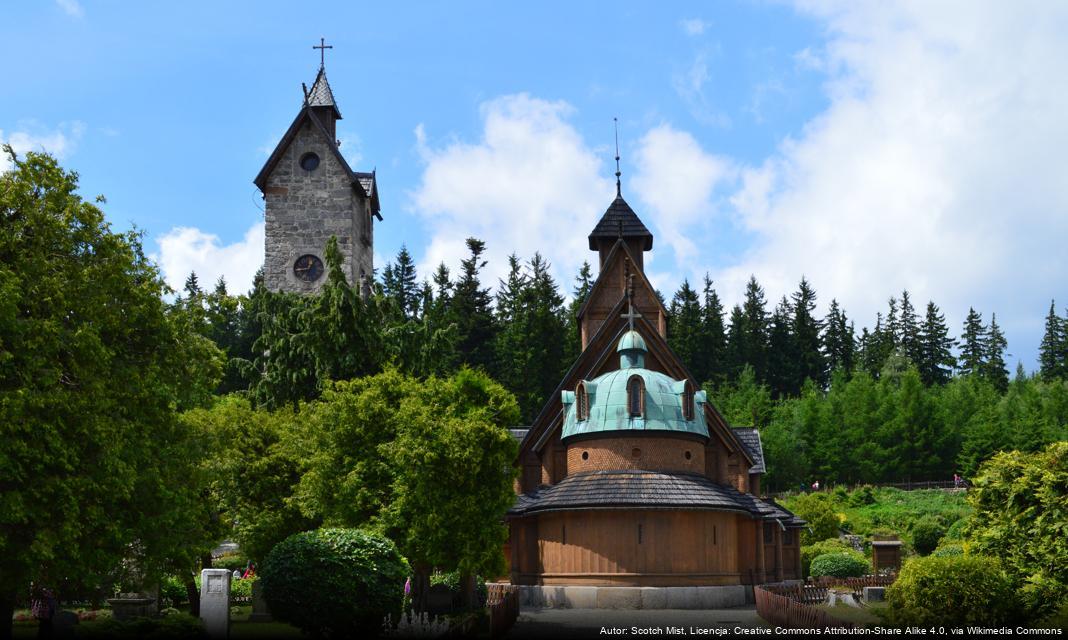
column 320, row 98
column 619, row 186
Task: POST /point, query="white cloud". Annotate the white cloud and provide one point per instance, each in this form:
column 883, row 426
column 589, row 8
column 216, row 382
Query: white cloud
column 61, row 142
column 530, row 184
column 938, row 166
column 676, row 180
column 183, row 250
column 693, row 26
column 690, row 86
column 71, row 8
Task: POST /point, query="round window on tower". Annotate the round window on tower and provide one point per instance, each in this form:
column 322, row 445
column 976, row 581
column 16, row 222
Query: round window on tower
column 309, row 162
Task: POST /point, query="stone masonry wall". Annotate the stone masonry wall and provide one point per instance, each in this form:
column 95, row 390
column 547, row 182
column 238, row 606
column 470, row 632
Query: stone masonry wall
column 304, row 208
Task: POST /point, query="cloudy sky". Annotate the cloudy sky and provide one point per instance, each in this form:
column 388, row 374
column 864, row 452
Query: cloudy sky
column 870, row 147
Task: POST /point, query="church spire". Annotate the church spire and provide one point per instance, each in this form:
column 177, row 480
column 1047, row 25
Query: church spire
column 619, row 186
column 320, row 98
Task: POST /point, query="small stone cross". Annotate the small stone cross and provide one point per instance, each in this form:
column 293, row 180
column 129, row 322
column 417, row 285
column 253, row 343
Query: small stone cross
column 322, row 47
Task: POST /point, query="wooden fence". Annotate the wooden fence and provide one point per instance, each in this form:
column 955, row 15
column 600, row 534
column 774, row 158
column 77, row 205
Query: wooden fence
column 856, row 584
column 502, row 602
column 784, row 611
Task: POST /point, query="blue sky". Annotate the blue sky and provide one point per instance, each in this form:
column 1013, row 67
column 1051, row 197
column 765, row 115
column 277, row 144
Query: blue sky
column 871, row 147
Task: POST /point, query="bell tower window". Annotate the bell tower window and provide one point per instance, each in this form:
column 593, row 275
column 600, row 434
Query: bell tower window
column 687, row 402
column 582, row 402
column 636, row 396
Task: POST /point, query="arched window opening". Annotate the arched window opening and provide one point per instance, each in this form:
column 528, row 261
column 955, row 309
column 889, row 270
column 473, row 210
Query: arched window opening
column 687, row 402
column 636, row 396
column 582, row 402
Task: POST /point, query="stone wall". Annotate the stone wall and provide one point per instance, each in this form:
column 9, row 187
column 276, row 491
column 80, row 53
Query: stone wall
column 304, row 208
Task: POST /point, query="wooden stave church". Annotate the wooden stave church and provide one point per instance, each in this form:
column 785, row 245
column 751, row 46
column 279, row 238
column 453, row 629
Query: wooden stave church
column 640, row 507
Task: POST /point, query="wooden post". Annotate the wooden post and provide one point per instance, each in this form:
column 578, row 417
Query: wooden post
column 761, row 572
column 778, row 553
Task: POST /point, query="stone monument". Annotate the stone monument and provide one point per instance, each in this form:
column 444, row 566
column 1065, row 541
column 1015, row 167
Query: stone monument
column 215, row 602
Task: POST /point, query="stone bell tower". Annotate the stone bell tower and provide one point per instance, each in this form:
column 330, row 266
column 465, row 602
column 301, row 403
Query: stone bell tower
column 311, row 194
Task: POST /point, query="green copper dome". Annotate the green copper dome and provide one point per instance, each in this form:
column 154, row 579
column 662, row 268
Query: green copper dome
column 609, row 403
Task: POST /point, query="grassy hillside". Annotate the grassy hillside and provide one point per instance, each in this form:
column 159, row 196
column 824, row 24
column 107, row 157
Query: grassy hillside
column 868, row 510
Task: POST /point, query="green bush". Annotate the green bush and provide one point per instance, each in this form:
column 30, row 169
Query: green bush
column 818, row 510
column 840, row 565
column 862, row 496
column 242, row 588
column 948, row 551
column 820, row 548
column 952, row 590
column 956, row 530
column 334, row 582
column 176, row 626
column 452, row 581
column 231, row 561
column 172, row 590
column 926, row 534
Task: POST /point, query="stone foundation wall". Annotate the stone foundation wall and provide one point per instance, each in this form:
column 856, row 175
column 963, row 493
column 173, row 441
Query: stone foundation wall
column 721, row 597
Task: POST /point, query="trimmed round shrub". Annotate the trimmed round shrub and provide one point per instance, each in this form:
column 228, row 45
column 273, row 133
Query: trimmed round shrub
column 334, row 582
column 926, row 534
column 834, row 545
column 956, row 530
column 840, row 565
column 952, row 590
column 862, row 496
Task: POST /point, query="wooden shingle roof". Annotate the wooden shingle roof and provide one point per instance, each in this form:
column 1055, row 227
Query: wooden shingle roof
column 619, row 220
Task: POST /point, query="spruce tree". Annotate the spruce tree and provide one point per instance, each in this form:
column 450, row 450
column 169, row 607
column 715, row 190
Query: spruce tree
column 806, row 329
column 838, row 343
column 472, row 312
column 936, row 360
column 993, row 368
column 714, row 334
column 736, row 344
column 583, row 284
column 399, row 284
column 910, row 340
column 685, row 328
column 1054, row 346
column 973, row 348
column 783, row 372
column 892, row 326
column 754, row 330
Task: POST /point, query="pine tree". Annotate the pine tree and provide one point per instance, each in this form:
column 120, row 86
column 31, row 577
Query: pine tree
column 753, row 348
column 877, row 346
column 910, row 341
column 736, row 344
column 472, row 312
column 685, row 328
column 838, row 343
column 714, row 345
column 892, row 325
column 936, row 361
column 783, row 359
column 806, row 330
column 973, row 348
column 993, row 368
column 1054, row 348
column 399, row 284
column 583, row 284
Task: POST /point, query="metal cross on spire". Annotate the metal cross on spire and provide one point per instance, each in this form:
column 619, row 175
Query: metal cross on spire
column 619, row 188
column 631, row 314
column 322, row 47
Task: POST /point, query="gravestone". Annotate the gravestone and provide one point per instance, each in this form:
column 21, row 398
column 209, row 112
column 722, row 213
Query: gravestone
column 260, row 613
column 215, row 602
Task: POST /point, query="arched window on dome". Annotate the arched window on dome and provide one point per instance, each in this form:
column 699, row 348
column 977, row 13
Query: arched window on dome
column 582, row 402
column 636, row 396
column 687, row 401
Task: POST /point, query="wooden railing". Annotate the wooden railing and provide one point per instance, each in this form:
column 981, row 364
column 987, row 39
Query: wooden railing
column 782, row 610
column 502, row 602
column 856, row 584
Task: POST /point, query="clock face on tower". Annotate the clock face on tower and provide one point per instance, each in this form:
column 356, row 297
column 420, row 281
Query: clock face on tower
column 308, row 268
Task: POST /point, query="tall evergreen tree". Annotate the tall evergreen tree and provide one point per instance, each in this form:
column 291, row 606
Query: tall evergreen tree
column 936, row 360
column 400, row 286
column 806, row 329
column 753, row 348
column 714, row 345
column 783, row 372
column 838, row 341
column 910, row 340
column 736, row 361
column 685, row 329
column 892, row 325
column 877, row 347
column 472, row 311
column 973, row 348
column 583, row 284
column 1053, row 351
column 994, row 368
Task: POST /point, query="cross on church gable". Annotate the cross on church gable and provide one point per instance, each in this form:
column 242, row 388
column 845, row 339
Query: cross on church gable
column 322, row 47
column 631, row 314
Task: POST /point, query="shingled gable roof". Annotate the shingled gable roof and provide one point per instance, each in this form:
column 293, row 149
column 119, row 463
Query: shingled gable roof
column 366, row 184
column 620, row 219
column 750, row 437
column 591, row 360
column 619, row 248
